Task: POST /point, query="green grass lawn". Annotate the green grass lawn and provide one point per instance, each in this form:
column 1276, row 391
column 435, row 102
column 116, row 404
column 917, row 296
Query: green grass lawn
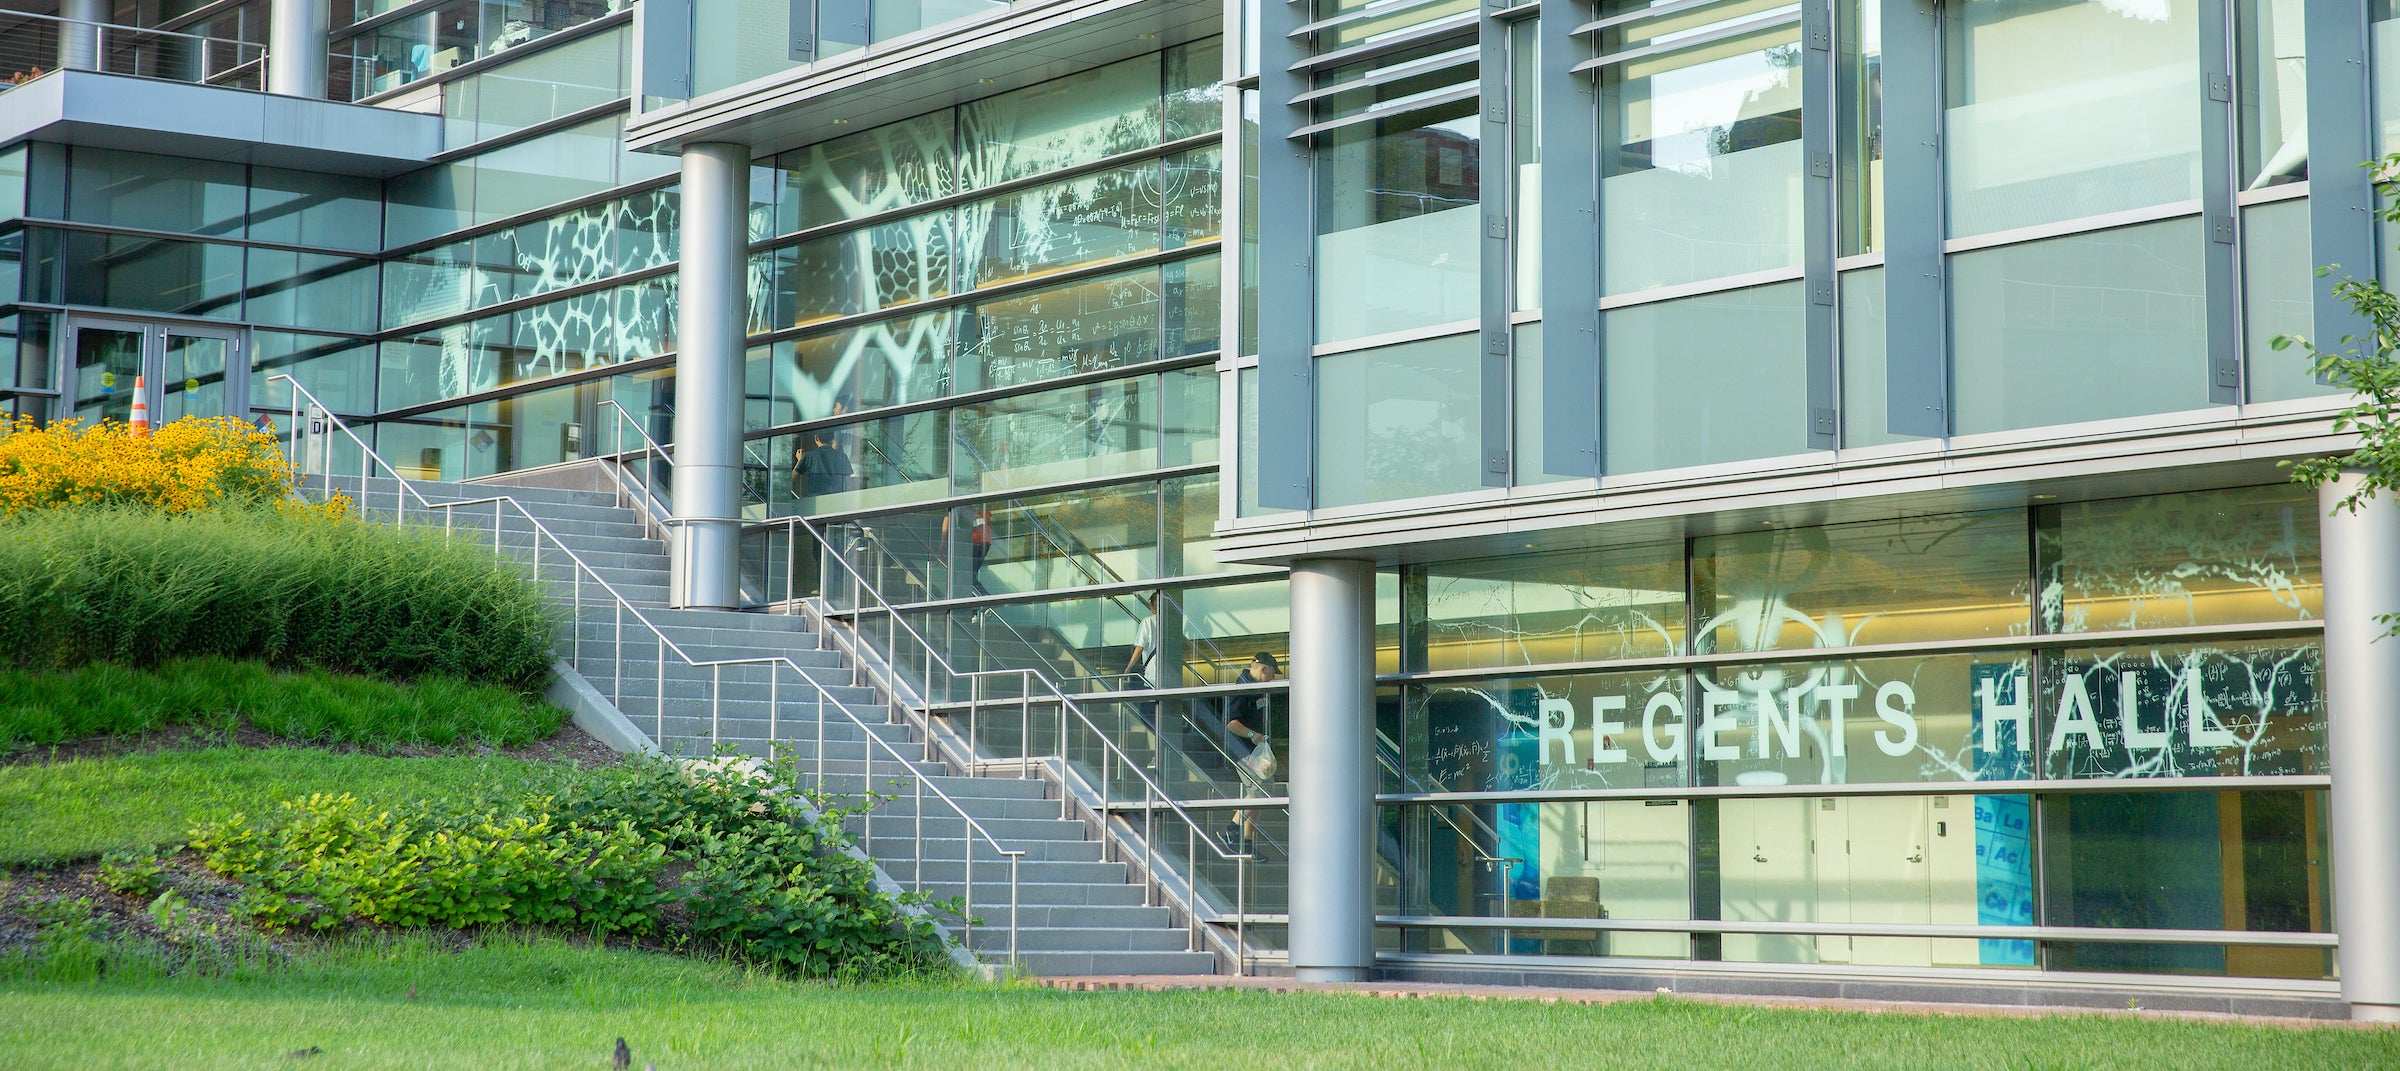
column 67, row 811
column 515, row 1003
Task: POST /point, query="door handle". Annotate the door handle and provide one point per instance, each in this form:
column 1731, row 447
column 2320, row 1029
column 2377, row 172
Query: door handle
column 1919, row 857
column 1757, row 858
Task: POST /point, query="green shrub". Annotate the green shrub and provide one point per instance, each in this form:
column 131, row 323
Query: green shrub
column 137, row 588
column 332, row 859
column 762, row 877
column 133, row 873
column 45, row 707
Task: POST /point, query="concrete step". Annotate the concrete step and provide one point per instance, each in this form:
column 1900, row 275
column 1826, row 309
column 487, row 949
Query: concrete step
column 439, row 490
column 642, row 655
column 1010, row 831
column 905, row 871
column 985, row 808
column 1070, row 915
column 991, row 893
column 601, row 623
column 1050, row 964
column 734, row 619
column 895, row 837
column 994, row 937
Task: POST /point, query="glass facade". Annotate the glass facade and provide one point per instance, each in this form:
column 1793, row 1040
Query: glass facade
column 1571, row 696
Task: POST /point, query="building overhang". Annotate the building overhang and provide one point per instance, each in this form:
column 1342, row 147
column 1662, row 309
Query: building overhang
column 937, row 68
column 217, row 123
column 2117, row 459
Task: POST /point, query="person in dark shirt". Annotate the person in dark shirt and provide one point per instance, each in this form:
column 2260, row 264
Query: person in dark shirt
column 819, row 467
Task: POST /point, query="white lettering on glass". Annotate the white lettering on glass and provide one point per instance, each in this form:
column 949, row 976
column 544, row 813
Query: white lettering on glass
column 1604, row 729
column 2129, row 716
column 2075, row 716
column 1784, row 722
column 1992, row 712
column 1667, row 702
column 1558, row 725
column 1837, row 699
column 1713, row 721
column 1895, row 703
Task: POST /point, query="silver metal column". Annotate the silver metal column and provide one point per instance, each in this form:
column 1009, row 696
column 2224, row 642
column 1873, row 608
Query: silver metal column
column 79, row 43
column 1333, row 770
column 710, row 303
column 296, row 47
column 2362, row 699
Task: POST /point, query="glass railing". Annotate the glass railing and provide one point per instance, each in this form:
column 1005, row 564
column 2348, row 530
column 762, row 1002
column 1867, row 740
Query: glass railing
column 427, row 43
column 34, row 45
column 734, row 43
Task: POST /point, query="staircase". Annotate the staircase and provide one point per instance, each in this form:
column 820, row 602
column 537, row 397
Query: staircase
column 1076, row 911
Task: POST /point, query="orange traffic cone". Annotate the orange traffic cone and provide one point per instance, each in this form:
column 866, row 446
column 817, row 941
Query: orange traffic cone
column 141, row 409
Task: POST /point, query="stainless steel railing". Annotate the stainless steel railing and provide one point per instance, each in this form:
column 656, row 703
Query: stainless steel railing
column 1153, row 794
column 322, row 422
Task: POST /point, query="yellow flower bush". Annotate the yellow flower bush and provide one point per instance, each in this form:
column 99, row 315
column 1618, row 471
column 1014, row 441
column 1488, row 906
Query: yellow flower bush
column 192, row 464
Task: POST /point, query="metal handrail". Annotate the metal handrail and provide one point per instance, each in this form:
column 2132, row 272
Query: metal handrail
column 622, row 606
column 1153, row 793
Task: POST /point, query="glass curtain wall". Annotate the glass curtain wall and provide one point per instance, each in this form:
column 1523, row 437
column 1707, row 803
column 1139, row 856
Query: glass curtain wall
column 2033, row 658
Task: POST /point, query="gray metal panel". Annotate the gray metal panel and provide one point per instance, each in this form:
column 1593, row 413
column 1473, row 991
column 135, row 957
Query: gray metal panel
column 2341, row 135
column 2219, row 160
column 662, row 31
column 1820, row 199
column 1916, row 343
column 1570, row 222
column 216, row 123
column 1286, row 294
column 1494, row 174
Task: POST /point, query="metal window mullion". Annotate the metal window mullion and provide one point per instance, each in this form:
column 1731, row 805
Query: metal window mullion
column 1493, row 166
column 1916, row 333
column 1286, row 245
column 1569, row 127
column 1820, row 199
column 2219, row 159
column 2341, row 134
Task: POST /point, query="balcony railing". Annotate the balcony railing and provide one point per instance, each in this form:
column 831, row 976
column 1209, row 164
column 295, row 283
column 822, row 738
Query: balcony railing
column 34, row 45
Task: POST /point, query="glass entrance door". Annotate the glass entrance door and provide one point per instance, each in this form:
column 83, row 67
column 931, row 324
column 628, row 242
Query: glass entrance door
column 108, row 356
column 186, row 371
column 195, row 373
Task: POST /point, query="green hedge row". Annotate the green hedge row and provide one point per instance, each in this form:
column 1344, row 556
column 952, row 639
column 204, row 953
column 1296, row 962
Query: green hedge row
column 138, row 588
column 45, row 707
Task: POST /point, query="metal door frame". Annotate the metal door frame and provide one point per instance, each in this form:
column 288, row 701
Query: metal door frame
column 154, row 357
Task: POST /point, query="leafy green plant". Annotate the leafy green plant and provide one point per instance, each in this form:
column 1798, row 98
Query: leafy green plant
column 140, row 588
column 2365, row 366
column 138, row 874
column 764, row 875
column 332, row 859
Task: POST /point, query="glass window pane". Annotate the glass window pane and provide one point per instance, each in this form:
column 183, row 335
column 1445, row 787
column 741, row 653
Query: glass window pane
column 873, row 171
column 1859, row 721
column 1400, row 422
column 423, row 204
column 2065, row 110
column 2181, row 560
column 2273, row 76
column 2232, row 710
column 889, row 362
column 1525, row 408
column 330, row 211
column 339, row 371
column 312, row 290
column 1582, row 731
column 1247, row 504
column 1866, row 411
column 1949, row 576
column 560, row 166
column 159, row 193
column 1701, row 380
column 1195, row 197
column 1195, row 88
column 1619, row 602
column 12, row 183
column 736, row 41
column 1861, row 142
column 431, row 446
column 2087, row 327
column 1059, row 123
column 1398, row 234
column 568, row 249
column 2230, row 861
column 1951, row 860
column 117, row 271
column 1077, row 433
column 1108, row 322
column 871, row 463
column 448, row 361
column 1704, row 179
column 2278, row 298
column 1108, row 215
column 557, row 82
column 1193, row 312
column 862, row 270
